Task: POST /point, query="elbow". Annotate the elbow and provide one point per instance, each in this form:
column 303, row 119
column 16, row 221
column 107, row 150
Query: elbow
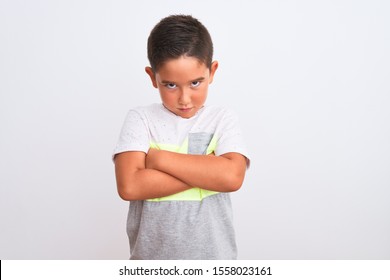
column 235, row 187
column 234, row 177
column 234, row 183
column 126, row 192
column 127, row 188
column 125, row 195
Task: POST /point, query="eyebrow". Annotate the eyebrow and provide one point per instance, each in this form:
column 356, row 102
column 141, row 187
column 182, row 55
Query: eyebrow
column 170, row 82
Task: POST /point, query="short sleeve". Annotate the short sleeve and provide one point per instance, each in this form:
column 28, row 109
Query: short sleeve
column 134, row 135
column 231, row 138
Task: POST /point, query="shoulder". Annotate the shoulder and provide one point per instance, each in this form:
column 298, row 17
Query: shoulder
column 144, row 112
column 214, row 109
column 221, row 112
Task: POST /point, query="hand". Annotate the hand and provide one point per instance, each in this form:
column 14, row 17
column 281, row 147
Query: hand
column 151, row 158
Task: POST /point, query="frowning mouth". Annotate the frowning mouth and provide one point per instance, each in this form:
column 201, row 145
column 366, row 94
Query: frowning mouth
column 185, row 109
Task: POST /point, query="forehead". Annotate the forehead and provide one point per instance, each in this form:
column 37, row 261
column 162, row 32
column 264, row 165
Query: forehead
column 183, row 68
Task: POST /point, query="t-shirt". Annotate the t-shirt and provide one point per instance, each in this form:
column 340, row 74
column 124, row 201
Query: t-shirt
column 193, row 224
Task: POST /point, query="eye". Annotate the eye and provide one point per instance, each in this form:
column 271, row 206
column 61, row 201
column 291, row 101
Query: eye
column 170, row 85
column 195, row 84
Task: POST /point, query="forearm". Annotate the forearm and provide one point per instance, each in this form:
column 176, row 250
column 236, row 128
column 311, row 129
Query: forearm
column 153, row 184
column 216, row 173
column 134, row 182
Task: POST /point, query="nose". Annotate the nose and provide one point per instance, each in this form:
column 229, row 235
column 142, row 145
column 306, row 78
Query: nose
column 185, row 97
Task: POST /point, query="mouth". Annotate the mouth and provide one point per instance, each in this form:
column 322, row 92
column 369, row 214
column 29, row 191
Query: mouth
column 184, row 109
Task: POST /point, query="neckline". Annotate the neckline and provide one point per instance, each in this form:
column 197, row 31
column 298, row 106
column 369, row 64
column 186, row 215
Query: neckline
column 181, row 118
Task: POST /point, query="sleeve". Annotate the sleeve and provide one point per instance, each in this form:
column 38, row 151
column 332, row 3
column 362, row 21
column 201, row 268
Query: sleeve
column 134, row 135
column 230, row 138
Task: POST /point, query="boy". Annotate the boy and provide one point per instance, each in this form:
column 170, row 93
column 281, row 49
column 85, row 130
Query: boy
column 176, row 162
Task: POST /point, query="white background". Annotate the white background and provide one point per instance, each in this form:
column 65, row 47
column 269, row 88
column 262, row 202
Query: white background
column 309, row 80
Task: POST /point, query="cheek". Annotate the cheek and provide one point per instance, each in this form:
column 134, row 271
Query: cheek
column 200, row 97
column 166, row 97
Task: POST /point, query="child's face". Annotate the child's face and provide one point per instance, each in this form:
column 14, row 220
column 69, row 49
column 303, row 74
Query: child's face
column 183, row 84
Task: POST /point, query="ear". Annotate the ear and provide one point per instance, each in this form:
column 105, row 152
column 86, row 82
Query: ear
column 152, row 75
column 213, row 68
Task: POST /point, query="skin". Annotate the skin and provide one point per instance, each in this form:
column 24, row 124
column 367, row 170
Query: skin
column 183, row 86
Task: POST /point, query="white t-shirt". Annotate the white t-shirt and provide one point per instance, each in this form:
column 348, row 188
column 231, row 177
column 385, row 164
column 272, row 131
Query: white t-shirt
column 194, row 224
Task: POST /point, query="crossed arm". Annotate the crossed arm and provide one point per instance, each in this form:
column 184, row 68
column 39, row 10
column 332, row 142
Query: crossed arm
column 160, row 173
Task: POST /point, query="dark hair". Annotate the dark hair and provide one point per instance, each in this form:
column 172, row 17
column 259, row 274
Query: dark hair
column 179, row 35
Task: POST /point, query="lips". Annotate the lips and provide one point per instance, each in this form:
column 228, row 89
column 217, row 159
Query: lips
column 185, row 109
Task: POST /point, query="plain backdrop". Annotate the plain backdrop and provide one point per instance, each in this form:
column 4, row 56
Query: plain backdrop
column 309, row 80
